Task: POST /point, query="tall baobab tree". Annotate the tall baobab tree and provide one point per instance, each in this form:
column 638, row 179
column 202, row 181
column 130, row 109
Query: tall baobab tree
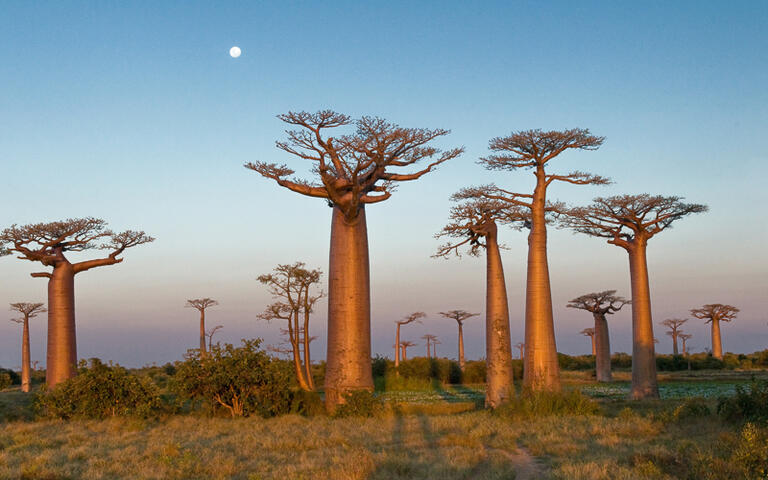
column 629, row 221
column 600, row 304
column 716, row 313
column 210, row 333
column 201, row 305
column 430, row 339
column 521, row 347
column 293, row 286
column 460, row 316
column 354, row 170
column 474, row 223
column 590, row 332
column 48, row 243
column 684, row 337
column 404, row 345
column 27, row 311
column 413, row 317
column 435, row 343
column 674, row 324
column 533, row 149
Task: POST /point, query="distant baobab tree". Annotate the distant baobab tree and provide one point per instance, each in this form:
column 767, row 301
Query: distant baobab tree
column 629, row 221
column 430, row 339
column 474, row 223
column 404, row 345
column 201, row 305
column 27, row 311
column 435, row 343
column 533, row 149
column 413, row 317
column 293, row 286
column 674, row 325
column 210, row 333
column 47, row 243
column 684, row 337
column 521, row 347
column 716, row 313
column 590, row 332
column 460, row 316
column 354, row 170
column 600, row 304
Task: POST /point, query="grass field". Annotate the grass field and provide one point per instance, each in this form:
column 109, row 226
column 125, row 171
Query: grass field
column 423, row 435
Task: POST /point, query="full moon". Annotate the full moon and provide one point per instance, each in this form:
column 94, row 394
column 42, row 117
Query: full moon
column 234, row 52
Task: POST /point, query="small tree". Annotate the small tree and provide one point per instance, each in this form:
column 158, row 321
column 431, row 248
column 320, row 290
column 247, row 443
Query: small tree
column 404, row 345
column 590, row 332
column 674, row 324
column 413, row 317
column 210, row 333
column 521, row 346
column 684, row 337
column 460, row 316
column 201, row 305
column 629, row 221
column 27, row 310
column 715, row 313
column 48, row 243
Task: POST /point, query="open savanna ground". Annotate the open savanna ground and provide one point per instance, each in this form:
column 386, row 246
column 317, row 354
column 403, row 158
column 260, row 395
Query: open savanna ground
column 432, row 433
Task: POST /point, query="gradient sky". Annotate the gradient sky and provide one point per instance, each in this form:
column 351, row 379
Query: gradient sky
column 134, row 112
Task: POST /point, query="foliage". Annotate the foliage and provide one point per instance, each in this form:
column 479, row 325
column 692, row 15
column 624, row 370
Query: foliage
column 100, row 391
column 747, row 404
column 544, row 404
column 5, row 380
column 13, row 376
column 360, row 403
column 308, row 404
column 244, row 380
column 752, row 452
column 692, row 408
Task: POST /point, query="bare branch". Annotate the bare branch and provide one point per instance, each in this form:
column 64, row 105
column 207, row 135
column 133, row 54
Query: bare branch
column 532, row 148
column 458, row 315
column 715, row 311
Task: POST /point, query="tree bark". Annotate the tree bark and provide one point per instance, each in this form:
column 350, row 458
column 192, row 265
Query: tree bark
column 461, row 347
column 397, row 346
column 61, row 356
column 307, row 360
column 644, row 384
column 717, row 345
column 202, row 332
column 674, row 344
column 498, row 342
column 25, row 357
column 602, row 344
column 349, row 310
column 541, row 370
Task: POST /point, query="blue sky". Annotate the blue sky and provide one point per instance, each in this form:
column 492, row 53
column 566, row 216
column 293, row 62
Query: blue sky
column 135, row 113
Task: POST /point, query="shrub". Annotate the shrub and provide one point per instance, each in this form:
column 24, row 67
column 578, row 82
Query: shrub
column 747, row 404
column 359, row 403
column 5, row 380
column 543, row 404
column 752, row 453
column 621, row 360
column 99, row 391
column 14, row 378
column 691, row 408
column 474, row 372
column 244, row 380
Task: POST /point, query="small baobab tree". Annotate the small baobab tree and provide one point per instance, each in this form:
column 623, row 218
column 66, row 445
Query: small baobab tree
column 684, row 337
column 674, row 324
column 590, row 332
column 201, row 305
column 629, row 221
column 354, row 170
column 533, row 149
column 474, row 223
column 210, row 333
column 521, row 346
column 435, row 343
column 715, row 313
column 600, row 304
column 293, row 286
column 404, row 346
column 430, row 340
column 27, row 311
column 413, row 317
column 460, row 316
column 49, row 244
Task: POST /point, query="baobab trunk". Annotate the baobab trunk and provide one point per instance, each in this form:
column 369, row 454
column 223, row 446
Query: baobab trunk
column 61, row 357
column 25, row 357
column 202, row 332
column 397, row 346
column 717, row 345
column 498, row 342
column 461, row 347
column 602, row 344
column 674, row 345
column 541, row 371
column 644, row 383
column 349, row 310
column 307, row 360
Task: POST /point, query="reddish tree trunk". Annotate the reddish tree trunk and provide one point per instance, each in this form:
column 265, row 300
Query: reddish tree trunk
column 461, row 347
column 349, row 310
column 61, row 357
column 25, row 357
column 717, row 345
column 498, row 342
column 307, row 360
column 202, row 331
column 397, row 346
column 602, row 344
column 674, row 344
column 644, row 384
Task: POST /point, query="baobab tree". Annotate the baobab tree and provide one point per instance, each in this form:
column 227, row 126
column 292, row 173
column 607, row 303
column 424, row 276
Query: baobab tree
column 210, row 333
column 629, row 221
column 404, row 345
column 674, row 324
column 521, row 347
column 27, row 311
column 600, row 304
column 590, row 332
column 460, row 316
column 435, row 343
column 201, row 305
column 413, row 317
column 354, row 170
column 430, row 339
column 533, row 149
column 48, row 243
column 684, row 337
column 716, row 313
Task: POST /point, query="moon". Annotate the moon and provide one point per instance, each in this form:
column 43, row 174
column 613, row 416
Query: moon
column 235, row 52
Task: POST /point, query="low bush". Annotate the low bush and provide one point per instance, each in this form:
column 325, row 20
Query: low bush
column 5, row 380
column 543, row 404
column 752, row 453
column 10, row 376
column 359, row 403
column 306, row 403
column 691, row 408
column 748, row 404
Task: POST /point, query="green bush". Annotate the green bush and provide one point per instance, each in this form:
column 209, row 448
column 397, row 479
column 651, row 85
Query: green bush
column 578, row 362
column 544, row 404
column 621, row 360
column 244, row 380
column 747, row 404
column 99, row 391
column 5, row 380
column 13, row 377
column 691, row 408
column 752, row 453
column 359, row 403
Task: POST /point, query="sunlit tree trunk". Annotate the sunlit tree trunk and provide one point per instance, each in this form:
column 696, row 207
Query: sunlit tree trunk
column 602, row 344
column 397, row 346
column 717, row 345
column 307, row 360
column 349, row 310
column 541, row 369
column 25, row 357
column 498, row 342
column 61, row 357
column 644, row 383
column 202, row 331
column 674, row 344
column 461, row 347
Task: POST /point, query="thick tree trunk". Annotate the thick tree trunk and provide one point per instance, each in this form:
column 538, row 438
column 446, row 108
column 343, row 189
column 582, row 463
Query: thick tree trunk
column 349, row 310
column 461, row 347
column 602, row 345
column 592, row 338
column 644, row 383
column 541, row 370
column 25, row 357
column 61, row 356
column 498, row 342
column 307, row 360
column 674, row 345
column 397, row 346
column 202, row 332
column 717, row 345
